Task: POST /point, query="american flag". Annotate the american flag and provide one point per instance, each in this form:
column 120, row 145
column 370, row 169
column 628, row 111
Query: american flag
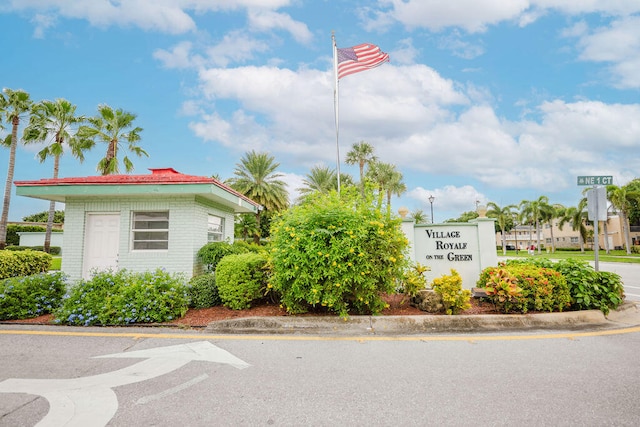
column 359, row 58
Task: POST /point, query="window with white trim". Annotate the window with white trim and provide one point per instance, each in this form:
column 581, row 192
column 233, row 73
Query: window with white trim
column 150, row 230
column 215, row 229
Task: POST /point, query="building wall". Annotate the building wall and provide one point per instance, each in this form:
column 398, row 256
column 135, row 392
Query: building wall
column 36, row 238
column 187, row 232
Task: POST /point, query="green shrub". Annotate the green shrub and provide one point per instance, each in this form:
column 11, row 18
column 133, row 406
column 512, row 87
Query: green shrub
column 53, row 250
column 23, row 263
column 241, row 279
column 31, row 296
column 609, row 291
column 242, row 246
column 211, row 253
column 536, row 288
column 449, row 287
column 336, row 253
column 123, row 297
column 635, row 249
column 203, row 291
column 414, row 280
column 589, row 289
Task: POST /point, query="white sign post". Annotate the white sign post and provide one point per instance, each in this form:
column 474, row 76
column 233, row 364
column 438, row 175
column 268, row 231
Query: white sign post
column 596, row 207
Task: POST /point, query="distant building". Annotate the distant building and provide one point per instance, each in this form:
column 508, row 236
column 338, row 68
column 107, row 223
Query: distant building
column 524, row 236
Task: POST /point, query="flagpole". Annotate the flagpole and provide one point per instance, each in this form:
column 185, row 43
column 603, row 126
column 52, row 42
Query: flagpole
column 336, row 104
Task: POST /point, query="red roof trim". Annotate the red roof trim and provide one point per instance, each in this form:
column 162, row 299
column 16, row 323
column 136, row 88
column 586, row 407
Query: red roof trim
column 158, row 176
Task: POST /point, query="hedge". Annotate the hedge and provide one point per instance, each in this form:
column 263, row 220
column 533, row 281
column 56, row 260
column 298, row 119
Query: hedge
column 23, row 263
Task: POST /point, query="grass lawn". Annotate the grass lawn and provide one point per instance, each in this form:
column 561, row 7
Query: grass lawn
column 613, row 256
column 56, row 262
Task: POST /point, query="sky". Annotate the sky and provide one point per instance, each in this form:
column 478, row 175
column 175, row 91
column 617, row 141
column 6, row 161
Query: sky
column 482, row 100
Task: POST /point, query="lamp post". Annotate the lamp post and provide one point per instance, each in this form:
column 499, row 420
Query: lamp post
column 431, row 199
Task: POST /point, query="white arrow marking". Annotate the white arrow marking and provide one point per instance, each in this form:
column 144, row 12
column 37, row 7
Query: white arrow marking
column 173, row 390
column 91, row 400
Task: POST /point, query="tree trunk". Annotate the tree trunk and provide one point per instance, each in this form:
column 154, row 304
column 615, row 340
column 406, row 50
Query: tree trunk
column 606, row 236
column 52, row 209
column 8, row 187
column 256, row 238
column 625, row 226
column 362, row 178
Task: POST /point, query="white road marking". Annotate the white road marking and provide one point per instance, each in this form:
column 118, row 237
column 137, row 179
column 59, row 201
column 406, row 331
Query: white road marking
column 173, row 390
column 91, row 400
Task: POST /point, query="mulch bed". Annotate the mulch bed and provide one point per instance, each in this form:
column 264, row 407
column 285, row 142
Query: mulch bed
column 398, row 306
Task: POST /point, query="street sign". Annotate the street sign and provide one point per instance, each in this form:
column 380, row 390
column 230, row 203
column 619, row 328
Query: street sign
column 595, row 180
column 597, row 204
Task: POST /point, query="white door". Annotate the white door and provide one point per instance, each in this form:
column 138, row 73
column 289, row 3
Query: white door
column 101, row 242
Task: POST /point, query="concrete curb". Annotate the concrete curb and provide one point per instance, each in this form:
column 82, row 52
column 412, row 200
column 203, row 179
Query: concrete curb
column 627, row 315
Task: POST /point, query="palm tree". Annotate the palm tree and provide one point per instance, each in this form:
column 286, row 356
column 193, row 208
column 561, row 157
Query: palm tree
column 550, row 213
column 382, row 174
column 245, row 226
column 13, row 103
column 504, row 217
column 622, row 198
column 320, row 178
column 534, row 211
column 395, row 186
column 54, row 120
column 361, row 154
column 418, row 216
column 111, row 127
column 577, row 217
column 256, row 178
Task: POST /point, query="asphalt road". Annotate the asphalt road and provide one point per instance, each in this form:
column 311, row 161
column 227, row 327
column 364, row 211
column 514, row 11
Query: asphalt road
column 155, row 377
column 630, row 275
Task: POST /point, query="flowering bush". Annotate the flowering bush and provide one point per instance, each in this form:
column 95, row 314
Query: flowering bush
column 336, row 253
column 525, row 287
column 589, row 289
column 502, row 289
column 454, row 298
column 123, row 297
column 31, row 296
column 414, row 280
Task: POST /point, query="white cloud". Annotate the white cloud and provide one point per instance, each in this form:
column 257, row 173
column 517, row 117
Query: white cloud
column 235, row 47
column 471, row 15
column 617, row 44
column 264, row 20
column 420, row 122
column 475, row 16
column 459, row 47
column 42, row 22
column 577, row 7
column 178, row 57
column 168, row 16
column 405, row 53
column 447, row 199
